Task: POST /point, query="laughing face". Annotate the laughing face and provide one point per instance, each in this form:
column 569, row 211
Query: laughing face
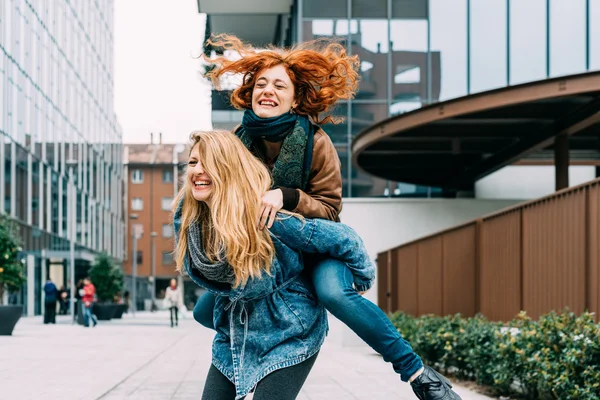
column 200, row 182
column 273, row 93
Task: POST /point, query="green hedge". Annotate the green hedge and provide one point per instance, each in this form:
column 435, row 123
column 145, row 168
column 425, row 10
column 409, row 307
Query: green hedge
column 556, row 357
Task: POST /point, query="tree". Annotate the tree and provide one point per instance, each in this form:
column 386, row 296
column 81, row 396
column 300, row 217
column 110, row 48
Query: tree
column 11, row 269
column 106, row 277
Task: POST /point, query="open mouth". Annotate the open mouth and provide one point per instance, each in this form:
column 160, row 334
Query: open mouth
column 267, row 103
column 201, row 184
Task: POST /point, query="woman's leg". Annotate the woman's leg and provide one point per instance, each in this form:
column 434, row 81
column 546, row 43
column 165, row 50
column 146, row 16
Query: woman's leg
column 171, row 314
column 203, row 310
column 333, row 282
column 217, row 386
column 176, row 315
column 284, row 383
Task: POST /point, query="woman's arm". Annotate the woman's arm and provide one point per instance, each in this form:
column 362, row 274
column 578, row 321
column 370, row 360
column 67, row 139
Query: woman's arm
column 333, row 238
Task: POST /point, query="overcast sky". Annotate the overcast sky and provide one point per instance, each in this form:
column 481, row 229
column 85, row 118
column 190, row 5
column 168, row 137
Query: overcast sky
column 157, row 86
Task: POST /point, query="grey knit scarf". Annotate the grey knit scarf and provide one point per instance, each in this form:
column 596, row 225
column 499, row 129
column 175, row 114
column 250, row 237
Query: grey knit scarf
column 219, row 271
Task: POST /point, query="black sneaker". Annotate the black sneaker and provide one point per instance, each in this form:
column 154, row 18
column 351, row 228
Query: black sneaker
column 431, row 385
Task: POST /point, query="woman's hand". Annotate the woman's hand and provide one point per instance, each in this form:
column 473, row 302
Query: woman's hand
column 272, row 201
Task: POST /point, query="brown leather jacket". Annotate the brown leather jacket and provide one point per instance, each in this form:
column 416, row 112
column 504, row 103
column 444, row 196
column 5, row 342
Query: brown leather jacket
column 323, row 195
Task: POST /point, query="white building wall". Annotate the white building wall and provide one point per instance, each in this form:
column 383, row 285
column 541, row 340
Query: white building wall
column 527, row 182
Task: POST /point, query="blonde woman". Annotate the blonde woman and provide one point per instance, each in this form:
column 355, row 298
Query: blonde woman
column 269, row 325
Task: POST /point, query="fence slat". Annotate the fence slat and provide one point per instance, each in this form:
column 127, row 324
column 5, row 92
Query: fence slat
column 459, row 271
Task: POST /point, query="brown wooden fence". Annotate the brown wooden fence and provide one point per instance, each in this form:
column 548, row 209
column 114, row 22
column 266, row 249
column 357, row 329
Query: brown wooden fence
column 537, row 256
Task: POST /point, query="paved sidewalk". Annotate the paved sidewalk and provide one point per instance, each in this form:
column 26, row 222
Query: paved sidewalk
column 141, row 357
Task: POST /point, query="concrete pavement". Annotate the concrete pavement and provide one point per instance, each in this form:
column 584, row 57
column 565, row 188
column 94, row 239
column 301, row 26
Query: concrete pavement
column 141, row 357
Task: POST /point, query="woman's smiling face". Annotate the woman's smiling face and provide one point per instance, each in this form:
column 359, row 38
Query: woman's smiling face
column 200, row 182
column 273, row 92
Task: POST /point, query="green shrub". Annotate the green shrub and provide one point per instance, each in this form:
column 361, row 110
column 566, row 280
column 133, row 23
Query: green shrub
column 12, row 275
column 106, row 277
column 556, row 357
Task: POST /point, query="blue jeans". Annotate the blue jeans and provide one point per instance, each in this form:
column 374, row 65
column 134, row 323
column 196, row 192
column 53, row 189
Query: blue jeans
column 87, row 315
column 333, row 283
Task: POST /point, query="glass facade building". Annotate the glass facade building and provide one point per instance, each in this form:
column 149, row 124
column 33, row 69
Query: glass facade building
column 418, row 52
column 59, row 132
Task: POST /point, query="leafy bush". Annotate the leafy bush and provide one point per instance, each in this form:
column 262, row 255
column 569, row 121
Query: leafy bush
column 106, row 277
column 556, row 357
column 12, row 275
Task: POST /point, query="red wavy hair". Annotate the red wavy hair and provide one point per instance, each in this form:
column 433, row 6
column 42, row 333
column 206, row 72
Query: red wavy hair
column 321, row 71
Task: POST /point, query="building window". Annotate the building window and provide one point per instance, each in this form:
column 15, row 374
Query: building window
column 137, row 204
column 167, row 176
column 166, row 203
column 140, row 258
column 167, row 257
column 137, row 176
column 167, row 230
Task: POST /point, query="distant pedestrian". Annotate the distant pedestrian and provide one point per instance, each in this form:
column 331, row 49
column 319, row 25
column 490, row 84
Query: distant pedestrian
column 50, row 298
column 62, row 301
column 89, row 294
column 174, row 300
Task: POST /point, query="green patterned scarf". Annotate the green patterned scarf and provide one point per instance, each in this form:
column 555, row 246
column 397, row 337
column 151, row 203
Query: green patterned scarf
column 292, row 168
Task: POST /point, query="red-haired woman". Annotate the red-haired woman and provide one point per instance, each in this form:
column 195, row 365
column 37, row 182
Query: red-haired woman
column 284, row 93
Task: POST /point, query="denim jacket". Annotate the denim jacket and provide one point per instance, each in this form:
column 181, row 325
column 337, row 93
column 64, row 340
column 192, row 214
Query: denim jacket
column 276, row 321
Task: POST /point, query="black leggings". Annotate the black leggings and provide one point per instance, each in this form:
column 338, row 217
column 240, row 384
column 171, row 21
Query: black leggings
column 283, row 384
column 174, row 311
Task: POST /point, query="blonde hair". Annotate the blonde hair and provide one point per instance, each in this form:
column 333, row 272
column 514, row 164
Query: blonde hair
column 229, row 227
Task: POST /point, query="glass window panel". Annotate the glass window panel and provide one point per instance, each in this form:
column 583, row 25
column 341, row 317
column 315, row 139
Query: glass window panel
column 7, row 173
column 448, row 19
column 362, row 117
column 594, row 34
column 166, row 203
column 35, row 192
column 137, row 204
column 137, row 176
column 488, row 45
column 54, row 202
column 409, row 65
column 409, row 9
column 325, row 9
column 314, row 29
column 369, row 9
column 167, row 231
column 66, row 205
column 567, row 37
column 20, row 188
column 370, row 42
column 527, row 41
column 167, row 257
column 167, row 176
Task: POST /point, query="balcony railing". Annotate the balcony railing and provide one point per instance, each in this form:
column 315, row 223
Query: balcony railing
column 538, row 256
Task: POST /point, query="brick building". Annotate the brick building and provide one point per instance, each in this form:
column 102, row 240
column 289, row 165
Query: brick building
column 152, row 180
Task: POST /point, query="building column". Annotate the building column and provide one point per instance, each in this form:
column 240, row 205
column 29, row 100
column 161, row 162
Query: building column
column 30, row 285
column 561, row 161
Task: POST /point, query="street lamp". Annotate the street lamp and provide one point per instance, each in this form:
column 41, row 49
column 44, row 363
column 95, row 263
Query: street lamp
column 72, row 198
column 153, row 236
column 135, row 236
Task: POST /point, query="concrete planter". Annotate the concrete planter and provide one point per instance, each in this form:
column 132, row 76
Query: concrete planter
column 9, row 315
column 120, row 309
column 104, row 312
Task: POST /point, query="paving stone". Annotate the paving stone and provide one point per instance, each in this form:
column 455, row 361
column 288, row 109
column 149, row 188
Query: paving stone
column 141, row 357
